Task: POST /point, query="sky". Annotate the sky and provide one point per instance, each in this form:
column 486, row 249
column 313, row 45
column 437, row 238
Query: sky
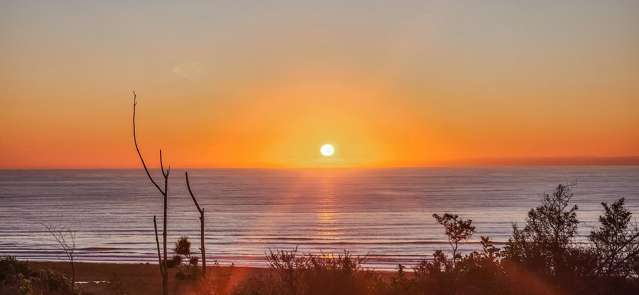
column 266, row 83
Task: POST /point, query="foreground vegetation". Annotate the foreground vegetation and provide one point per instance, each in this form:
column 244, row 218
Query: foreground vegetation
column 545, row 256
column 17, row 277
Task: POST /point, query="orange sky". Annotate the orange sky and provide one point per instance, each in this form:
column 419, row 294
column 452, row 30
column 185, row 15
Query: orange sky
column 237, row 85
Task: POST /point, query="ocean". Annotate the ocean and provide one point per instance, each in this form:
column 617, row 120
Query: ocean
column 383, row 214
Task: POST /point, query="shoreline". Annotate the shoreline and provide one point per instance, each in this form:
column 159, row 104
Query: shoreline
column 141, row 278
column 144, row 278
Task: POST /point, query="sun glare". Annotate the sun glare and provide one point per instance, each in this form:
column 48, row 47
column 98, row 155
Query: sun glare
column 327, row 150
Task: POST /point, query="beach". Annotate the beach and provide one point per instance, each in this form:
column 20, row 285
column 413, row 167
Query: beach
column 141, row 278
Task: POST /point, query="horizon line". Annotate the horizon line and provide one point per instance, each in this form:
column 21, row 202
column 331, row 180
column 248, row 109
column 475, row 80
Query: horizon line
column 478, row 162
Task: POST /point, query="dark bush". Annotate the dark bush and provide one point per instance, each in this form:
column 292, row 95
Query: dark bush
column 456, row 229
column 183, row 247
column 17, row 277
column 540, row 258
column 175, row 261
column 616, row 242
column 10, row 267
column 295, row 273
column 542, row 246
column 193, row 261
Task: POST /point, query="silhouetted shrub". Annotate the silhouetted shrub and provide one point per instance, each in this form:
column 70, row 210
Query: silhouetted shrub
column 175, row 261
column 54, row 282
column 326, row 273
column 14, row 276
column 543, row 244
column 10, row 267
column 540, row 258
column 183, row 247
column 546, row 248
column 457, row 230
column 616, row 242
column 543, row 257
column 185, row 263
column 17, row 277
column 193, row 261
column 476, row 273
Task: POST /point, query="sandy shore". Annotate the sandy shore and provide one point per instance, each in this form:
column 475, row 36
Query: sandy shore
column 99, row 278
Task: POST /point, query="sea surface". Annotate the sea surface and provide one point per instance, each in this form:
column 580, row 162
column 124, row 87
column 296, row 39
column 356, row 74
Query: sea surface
column 384, row 214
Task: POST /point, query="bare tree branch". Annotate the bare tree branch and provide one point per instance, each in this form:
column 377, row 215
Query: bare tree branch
column 188, row 186
column 137, row 148
column 65, row 238
column 164, row 193
column 157, row 243
column 201, row 210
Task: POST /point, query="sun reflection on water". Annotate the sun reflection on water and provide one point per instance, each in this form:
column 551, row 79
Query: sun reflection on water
column 326, row 210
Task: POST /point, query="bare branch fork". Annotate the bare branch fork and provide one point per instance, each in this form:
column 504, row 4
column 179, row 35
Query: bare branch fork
column 164, row 193
column 65, row 238
column 201, row 210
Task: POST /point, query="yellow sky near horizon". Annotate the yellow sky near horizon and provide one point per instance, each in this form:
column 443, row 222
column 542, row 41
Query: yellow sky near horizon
column 244, row 85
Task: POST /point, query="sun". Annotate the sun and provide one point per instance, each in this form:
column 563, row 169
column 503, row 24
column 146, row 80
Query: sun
column 327, row 150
